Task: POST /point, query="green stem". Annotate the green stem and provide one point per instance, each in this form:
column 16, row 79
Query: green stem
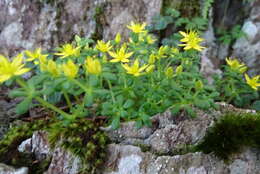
column 80, row 85
column 41, row 101
column 66, row 96
column 111, row 92
column 51, row 106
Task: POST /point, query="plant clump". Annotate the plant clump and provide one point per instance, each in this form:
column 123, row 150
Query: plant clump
column 231, row 134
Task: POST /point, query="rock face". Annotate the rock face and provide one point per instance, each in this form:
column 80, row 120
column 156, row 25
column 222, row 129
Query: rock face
column 153, row 150
column 247, row 48
column 41, row 23
column 119, row 13
column 4, row 169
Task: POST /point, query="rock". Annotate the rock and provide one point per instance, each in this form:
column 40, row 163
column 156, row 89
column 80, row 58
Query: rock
column 129, row 131
column 30, row 24
column 38, row 145
column 209, row 56
column 161, row 142
column 250, row 29
column 63, row 162
column 139, row 162
column 175, row 136
column 5, row 169
column 119, row 13
column 247, row 48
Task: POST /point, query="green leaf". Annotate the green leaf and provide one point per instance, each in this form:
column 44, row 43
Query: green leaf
column 129, row 103
column 256, row 105
column 175, row 110
column 88, row 99
column 23, row 106
column 115, row 122
column 109, row 76
column 54, row 98
column 203, row 104
column 190, row 111
column 17, row 93
column 93, row 80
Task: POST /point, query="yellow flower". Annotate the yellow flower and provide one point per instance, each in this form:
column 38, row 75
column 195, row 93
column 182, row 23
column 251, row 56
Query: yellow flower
column 236, row 65
column 192, row 41
column 68, row 50
column 120, row 55
column 137, row 28
column 102, row 46
column 118, row 38
column 70, row 69
column 37, row 54
column 199, row 85
column 150, row 39
column 10, row 69
column 162, row 51
column 253, row 82
column 93, row 66
column 179, row 69
column 152, row 59
column 53, row 68
column 169, row 72
column 150, row 68
column 42, row 61
column 135, row 70
column 174, row 50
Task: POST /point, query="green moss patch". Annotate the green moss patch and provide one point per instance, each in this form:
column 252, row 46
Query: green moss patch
column 84, row 139
column 231, row 134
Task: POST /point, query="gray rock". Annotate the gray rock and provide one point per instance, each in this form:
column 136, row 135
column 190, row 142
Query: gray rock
column 119, row 13
column 247, row 48
column 167, row 134
column 191, row 163
column 38, row 145
column 5, row 169
column 29, row 24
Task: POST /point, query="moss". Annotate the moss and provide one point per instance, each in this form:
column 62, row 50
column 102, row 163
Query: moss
column 14, row 137
column 84, row 139
column 231, row 134
column 28, row 160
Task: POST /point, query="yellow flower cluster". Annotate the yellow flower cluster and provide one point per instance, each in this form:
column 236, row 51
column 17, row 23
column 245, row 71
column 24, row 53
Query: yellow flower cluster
column 240, row 67
column 68, row 50
column 9, row 69
column 191, row 41
column 235, row 65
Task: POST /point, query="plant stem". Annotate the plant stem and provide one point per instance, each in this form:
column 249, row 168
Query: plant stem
column 51, row 106
column 80, row 85
column 41, row 101
column 66, row 96
column 111, row 92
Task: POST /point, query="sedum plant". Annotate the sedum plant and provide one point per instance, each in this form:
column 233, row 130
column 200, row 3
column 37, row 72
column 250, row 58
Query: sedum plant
column 123, row 81
column 236, row 87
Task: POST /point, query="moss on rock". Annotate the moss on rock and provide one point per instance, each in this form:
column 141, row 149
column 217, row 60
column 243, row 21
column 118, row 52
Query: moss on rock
column 84, row 139
column 231, row 134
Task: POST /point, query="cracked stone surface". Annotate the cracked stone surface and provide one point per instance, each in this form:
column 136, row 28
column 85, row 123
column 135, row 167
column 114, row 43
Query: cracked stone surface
column 30, row 24
column 167, row 134
column 5, row 169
